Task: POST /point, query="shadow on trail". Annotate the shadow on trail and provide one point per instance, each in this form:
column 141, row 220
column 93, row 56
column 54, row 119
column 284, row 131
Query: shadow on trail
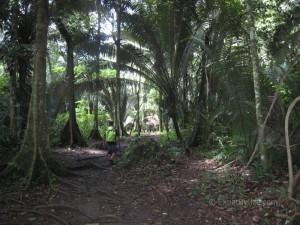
column 169, row 194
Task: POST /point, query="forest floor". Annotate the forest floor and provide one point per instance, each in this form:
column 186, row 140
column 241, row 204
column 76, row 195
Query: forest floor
column 190, row 192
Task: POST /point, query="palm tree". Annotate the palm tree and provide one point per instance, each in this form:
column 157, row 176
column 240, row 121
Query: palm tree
column 162, row 30
column 224, row 70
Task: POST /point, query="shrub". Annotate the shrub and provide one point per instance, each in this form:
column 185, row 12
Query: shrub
column 143, row 151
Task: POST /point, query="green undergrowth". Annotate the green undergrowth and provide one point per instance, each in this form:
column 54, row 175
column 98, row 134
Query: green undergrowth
column 233, row 191
column 144, row 151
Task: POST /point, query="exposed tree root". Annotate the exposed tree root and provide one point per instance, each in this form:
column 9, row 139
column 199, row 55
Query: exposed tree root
column 74, row 186
column 159, row 192
column 10, row 223
column 88, row 165
column 291, row 218
column 294, row 200
column 18, row 202
column 88, row 158
column 139, row 195
column 62, row 171
column 44, row 214
column 95, row 135
column 67, row 194
column 4, row 196
column 76, row 139
column 137, row 183
column 48, row 168
column 62, row 207
column 104, row 193
column 109, row 217
column 100, row 192
column 224, row 166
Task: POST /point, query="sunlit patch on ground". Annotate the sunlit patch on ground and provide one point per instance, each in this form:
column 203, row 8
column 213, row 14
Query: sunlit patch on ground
column 203, row 164
column 96, row 152
column 83, row 151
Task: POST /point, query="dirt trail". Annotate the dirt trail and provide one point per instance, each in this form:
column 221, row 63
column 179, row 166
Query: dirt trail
column 145, row 196
column 108, row 195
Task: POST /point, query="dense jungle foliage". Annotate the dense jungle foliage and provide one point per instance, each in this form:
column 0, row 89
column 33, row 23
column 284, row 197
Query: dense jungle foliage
column 216, row 77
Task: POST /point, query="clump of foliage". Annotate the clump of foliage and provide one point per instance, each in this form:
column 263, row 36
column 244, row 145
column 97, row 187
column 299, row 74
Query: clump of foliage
column 55, row 128
column 221, row 146
column 142, row 152
column 167, row 136
column 84, row 119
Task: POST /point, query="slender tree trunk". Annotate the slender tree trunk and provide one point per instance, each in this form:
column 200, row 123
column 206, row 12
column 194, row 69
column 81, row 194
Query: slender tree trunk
column 13, row 102
column 166, row 122
column 293, row 181
column 185, row 101
column 118, row 80
column 176, row 127
column 13, row 77
column 49, row 65
column 124, row 101
column 137, row 92
column 24, row 67
column 71, row 134
column 173, row 114
column 71, row 96
column 256, row 80
column 200, row 103
column 95, row 134
column 161, row 129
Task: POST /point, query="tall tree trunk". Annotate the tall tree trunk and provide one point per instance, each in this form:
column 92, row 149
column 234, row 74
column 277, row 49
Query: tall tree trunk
column 160, row 113
column 95, row 134
column 24, row 63
column 256, row 82
column 138, row 109
column 185, row 100
column 71, row 134
column 118, row 80
column 124, row 101
column 200, row 103
column 13, row 78
column 34, row 157
column 176, row 127
column 173, row 115
column 13, row 102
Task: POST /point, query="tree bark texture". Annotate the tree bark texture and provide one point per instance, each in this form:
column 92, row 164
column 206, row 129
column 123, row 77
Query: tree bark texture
column 256, row 82
column 13, row 78
column 118, row 81
column 95, row 134
column 293, row 181
column 33, row 160
column 71, row 136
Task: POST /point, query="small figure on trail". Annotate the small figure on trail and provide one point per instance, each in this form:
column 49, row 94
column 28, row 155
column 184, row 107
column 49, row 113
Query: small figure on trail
column 111, row 138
